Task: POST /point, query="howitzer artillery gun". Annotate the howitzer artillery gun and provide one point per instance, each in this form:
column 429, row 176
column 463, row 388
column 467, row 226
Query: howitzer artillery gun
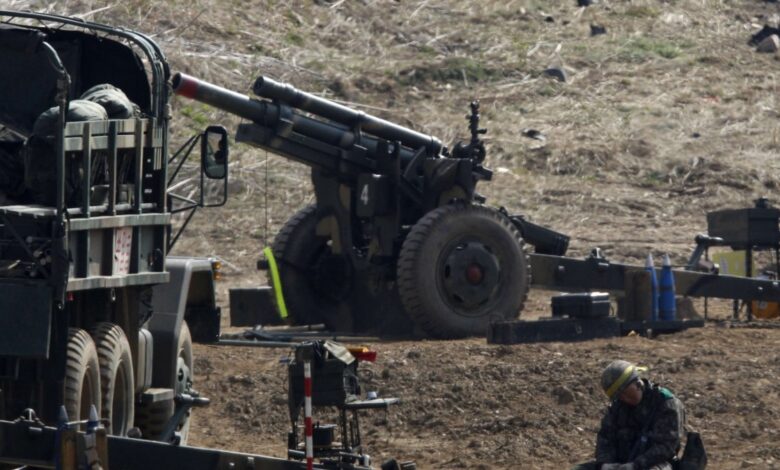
column 398, row 231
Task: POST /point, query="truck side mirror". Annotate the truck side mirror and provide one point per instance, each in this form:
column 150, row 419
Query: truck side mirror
column 214, row 152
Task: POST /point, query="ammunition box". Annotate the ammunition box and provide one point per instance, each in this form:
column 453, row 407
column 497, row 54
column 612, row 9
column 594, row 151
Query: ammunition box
column 581, row 305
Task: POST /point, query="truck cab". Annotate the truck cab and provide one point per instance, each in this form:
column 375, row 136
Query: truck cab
column 92, row 310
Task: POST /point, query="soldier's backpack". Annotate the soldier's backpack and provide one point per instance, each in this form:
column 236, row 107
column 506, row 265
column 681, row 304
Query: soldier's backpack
column 694, row 456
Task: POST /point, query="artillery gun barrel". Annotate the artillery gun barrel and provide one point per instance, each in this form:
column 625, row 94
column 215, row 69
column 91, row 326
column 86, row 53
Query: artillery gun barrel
column 285, row 130
column 273, row 114
column 262, row 112
column 268, row 88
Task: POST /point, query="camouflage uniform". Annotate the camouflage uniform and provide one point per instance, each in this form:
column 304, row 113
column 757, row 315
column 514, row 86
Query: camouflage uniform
column 622, row 426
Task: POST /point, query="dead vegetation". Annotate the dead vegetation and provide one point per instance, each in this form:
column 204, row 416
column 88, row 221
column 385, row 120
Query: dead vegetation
column 670, row 106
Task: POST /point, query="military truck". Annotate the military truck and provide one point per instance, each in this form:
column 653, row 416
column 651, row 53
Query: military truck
column 93, row 311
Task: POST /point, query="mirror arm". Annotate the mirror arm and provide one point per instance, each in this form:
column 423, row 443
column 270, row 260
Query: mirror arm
column 189, row 201
column 181, row 229
column 190, row 144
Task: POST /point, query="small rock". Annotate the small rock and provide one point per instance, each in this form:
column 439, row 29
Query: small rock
column 556, row 73
column 413, row 354
column 534, row 134
column 769, row 44
column 240, row 379
column 596, row 29
column 279, row 400
column 385, row 374
column 563, row 395
column 765, row 32
column 549, row 19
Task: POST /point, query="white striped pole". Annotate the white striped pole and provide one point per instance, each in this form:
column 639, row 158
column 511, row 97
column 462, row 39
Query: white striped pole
column 307, row 414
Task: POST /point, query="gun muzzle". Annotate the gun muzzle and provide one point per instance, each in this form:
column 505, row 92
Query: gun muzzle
column 221, row 98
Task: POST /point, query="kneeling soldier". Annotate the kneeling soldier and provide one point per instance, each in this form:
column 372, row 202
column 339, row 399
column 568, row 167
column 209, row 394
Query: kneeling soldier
column 643, row 425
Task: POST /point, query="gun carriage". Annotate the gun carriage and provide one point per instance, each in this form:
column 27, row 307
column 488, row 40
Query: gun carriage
column 399, row 231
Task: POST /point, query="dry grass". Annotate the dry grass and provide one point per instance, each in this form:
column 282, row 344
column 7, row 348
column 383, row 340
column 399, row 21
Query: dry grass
column 666, row 116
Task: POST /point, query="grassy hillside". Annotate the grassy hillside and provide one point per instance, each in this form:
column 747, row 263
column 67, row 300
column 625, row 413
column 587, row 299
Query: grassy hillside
column 667, row 115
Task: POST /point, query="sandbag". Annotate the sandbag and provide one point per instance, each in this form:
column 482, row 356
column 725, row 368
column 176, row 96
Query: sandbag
column 79, row 110
column 40, row 168
column 113, row 100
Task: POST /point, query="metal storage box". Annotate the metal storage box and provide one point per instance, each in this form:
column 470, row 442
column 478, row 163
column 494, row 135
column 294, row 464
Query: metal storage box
column 743, row 228
column 581, row 305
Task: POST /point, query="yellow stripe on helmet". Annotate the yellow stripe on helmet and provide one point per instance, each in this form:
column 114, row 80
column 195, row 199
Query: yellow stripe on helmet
column 622, row 379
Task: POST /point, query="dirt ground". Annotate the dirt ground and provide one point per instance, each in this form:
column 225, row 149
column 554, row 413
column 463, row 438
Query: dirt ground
column 467, row 404
column 668, row 115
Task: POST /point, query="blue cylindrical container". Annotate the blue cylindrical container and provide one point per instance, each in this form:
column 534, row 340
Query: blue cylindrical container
column 653, row 286
column 667, row 304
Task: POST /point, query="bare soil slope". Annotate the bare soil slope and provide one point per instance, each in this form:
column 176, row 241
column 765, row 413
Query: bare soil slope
column 471, row 405
column 666, row 116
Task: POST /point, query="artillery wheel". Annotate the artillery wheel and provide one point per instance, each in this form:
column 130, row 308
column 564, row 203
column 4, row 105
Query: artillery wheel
column 314, row 280
column 152, row 418
column 82, row 376
column 462, row 267
column 116, row 377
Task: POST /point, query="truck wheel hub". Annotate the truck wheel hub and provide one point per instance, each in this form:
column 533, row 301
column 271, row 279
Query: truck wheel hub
column 183, row 377
column 474, row 274
column 469, row 275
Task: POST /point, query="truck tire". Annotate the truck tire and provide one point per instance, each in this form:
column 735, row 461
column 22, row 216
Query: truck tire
column 314, row 281
column 153, row 418
column 82, row 376
column 460, row 268
column 117, row 379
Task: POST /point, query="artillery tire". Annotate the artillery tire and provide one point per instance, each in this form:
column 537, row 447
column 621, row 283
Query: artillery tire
column 462, row 267
column 117, row 379
column 314, row 281
column 152, row 418
column 82, row 375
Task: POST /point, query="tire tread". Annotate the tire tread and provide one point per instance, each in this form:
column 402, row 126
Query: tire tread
column 111, row 345
column 80, row 352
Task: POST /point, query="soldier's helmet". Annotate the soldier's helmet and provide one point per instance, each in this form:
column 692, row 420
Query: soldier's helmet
column 618, row 375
